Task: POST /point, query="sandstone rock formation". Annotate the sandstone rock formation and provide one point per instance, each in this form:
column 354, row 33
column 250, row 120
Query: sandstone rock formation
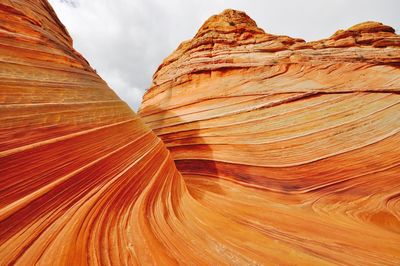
column 295, row 144
column 288, row 150
column 82, row 179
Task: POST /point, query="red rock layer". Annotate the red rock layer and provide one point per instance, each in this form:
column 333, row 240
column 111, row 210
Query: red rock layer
column 82, row 179
column 288, row 149
column 292, row 145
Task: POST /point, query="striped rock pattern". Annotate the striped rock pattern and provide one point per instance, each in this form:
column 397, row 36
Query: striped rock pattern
column 288, row 151
column 82, row 179
column 293, row 145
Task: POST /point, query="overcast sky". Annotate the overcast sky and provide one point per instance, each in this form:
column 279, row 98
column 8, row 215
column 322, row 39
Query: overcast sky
column 126, row 40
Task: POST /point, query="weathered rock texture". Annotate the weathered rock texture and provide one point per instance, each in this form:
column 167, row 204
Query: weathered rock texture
column 289, row 150
column 82, row 179
column 293, row 145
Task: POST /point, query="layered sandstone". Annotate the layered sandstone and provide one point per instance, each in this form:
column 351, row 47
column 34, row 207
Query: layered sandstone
column 288, row 149
column 293, row 145
column 82, row 179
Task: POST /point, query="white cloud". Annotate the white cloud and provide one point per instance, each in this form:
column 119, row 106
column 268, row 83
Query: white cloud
column 126, row 40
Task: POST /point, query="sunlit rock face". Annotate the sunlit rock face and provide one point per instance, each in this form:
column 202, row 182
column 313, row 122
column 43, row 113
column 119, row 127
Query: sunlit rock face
column 291, row 147
column 289, row 150
column 82, row 179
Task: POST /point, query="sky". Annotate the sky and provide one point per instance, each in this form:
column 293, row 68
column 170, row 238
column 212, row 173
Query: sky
column 126, row 40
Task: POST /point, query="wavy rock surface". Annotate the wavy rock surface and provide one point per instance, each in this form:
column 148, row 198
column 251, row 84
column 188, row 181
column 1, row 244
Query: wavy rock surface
column 82, row 179
column 288, row 149
column 293, row 146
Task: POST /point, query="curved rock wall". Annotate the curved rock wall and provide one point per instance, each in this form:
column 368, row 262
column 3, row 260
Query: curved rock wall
column 82, row 179
column 288, row 150
column 291, row 141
